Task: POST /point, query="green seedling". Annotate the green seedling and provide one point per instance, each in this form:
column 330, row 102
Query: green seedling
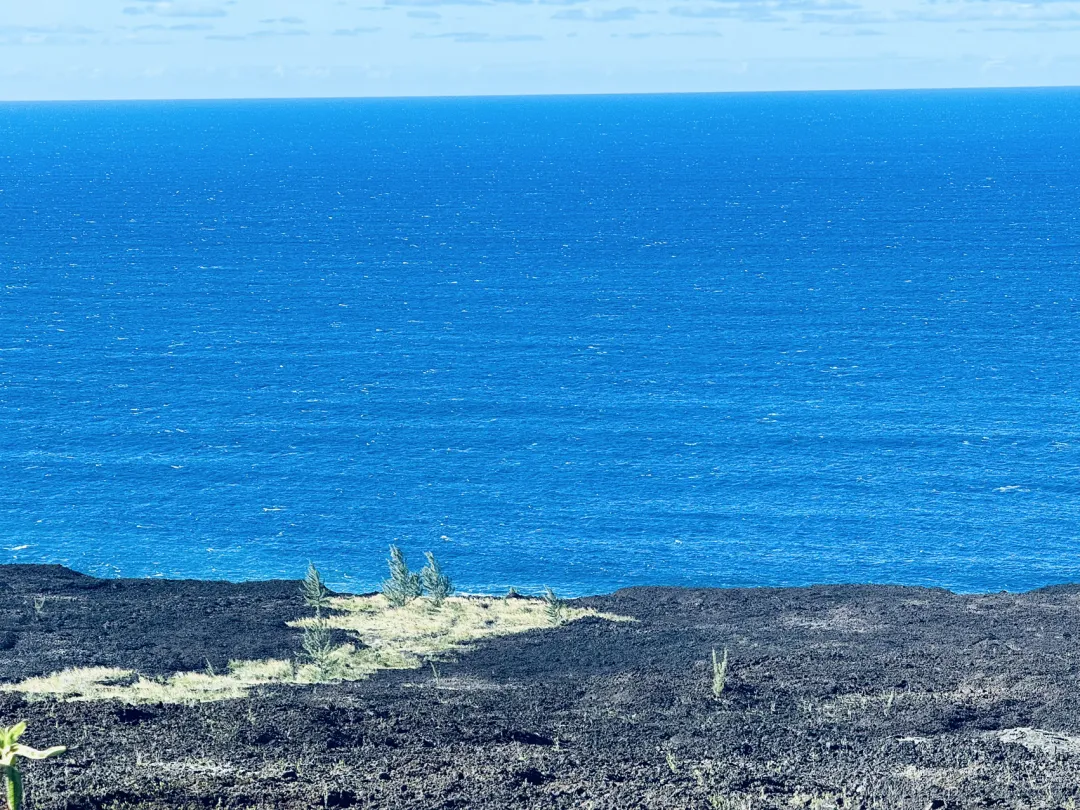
column 403, row 585
column 434, row 581
column 9, row 768
column 314, row 591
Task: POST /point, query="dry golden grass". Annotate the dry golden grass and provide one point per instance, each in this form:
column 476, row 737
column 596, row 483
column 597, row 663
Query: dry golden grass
column 127, row 686
column 421, row 630
column 390, row 638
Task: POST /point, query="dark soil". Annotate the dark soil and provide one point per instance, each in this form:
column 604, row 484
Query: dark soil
column 847, row 696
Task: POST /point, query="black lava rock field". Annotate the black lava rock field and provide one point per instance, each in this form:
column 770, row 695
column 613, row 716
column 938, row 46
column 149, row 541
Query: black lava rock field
column 842, row 696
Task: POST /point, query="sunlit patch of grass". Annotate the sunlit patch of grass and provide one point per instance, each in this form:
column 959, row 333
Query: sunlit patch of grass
column 347, row 663
column 421, row 630
column 389, row 638
column 74, row 684
column 269, row 670
column 127, row 686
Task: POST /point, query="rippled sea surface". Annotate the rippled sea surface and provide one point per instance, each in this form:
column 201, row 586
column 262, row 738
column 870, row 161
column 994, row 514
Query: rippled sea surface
column 586, row 342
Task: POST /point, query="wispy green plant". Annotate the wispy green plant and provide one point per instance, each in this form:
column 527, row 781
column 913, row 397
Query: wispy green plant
column 318, row 648
column 719, row 674
column 10, row 748
column 314, row 590
column 435, row 583
column 554, row 607
column 672, row 763
column 403, row 585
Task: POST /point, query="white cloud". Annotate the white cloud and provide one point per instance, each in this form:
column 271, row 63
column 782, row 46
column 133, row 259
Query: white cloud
column 599, row 15
column 168, row 8
column 479, row 37
column 44, row 34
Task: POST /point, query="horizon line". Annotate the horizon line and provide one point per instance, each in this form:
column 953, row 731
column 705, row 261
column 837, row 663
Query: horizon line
column 627, row 93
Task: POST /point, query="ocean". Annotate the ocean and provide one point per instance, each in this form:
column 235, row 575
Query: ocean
column 584, row 342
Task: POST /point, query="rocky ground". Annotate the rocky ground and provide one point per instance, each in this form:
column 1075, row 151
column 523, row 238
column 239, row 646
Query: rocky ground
column 837, row 697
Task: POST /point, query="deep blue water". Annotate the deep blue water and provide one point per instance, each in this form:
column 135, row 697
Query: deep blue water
column 586, row 342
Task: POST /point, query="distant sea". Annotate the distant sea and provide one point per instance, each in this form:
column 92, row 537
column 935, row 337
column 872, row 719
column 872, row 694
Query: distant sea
column 584, row 342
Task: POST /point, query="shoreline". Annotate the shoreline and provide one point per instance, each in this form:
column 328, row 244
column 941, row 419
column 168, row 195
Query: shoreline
column 529, row 591
column 837, row 696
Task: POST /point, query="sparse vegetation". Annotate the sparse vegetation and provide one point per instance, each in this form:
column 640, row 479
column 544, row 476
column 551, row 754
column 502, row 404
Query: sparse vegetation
column 403, row 586
column 730, row 802
column 112, row 683
column 435, row 583
column 719, row 674
column 10, row 750
column 313, row 589
column 610, row 713
column 838, row 801
column 400, row 638
column 554, row 607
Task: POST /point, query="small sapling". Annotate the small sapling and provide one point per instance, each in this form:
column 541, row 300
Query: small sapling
column 314, row 590
column 403, row 585
column 318, row 648
column 719, row 674
column 437, row 584
column 554, row 607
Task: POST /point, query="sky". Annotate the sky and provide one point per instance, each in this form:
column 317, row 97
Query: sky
column 126, row 49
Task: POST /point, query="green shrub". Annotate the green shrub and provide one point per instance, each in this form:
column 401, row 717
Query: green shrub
column 403, row 585
column 437, row 585
column 9, row 768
